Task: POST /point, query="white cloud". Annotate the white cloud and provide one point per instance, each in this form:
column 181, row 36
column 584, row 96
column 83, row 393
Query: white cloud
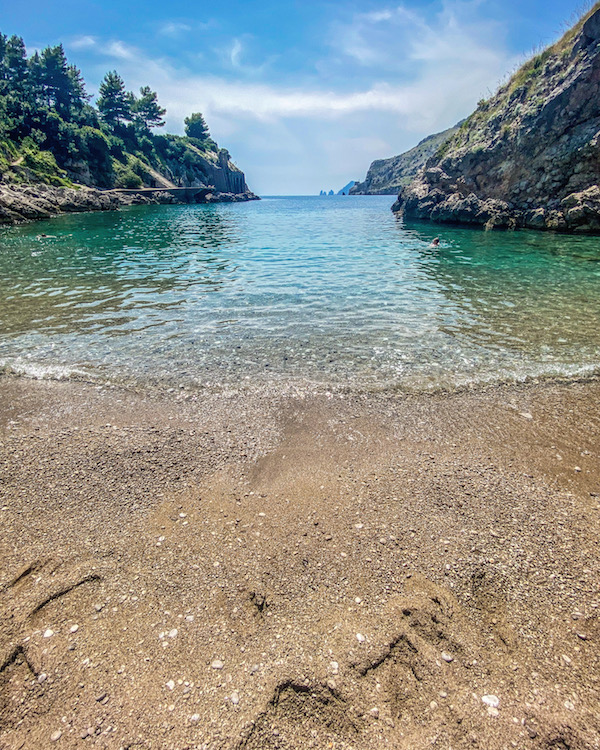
column 393, row 38
column 235, row 53
column 174, row 28
column 120, row 50
column 414, row 76
column 83, row 42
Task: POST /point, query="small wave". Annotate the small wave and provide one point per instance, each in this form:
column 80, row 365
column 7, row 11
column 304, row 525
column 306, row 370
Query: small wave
column 38, row 371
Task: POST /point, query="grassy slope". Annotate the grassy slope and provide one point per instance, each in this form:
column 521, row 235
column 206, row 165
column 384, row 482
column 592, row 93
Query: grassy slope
column 522, row 92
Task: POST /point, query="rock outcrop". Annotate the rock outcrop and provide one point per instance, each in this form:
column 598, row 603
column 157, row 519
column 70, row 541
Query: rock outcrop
column 528, row 157
column 20, row 203
column 389, row 176
column 209, row 169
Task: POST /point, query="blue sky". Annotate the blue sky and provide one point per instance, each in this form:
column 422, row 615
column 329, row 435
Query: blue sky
column 304, row 94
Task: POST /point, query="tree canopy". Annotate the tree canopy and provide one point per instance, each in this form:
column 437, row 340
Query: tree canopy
column 50, row 130
column 114, row 103
column 147, row 110
column 196, row 127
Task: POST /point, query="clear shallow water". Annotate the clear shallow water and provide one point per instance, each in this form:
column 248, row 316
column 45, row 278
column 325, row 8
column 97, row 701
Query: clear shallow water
column 335, row 291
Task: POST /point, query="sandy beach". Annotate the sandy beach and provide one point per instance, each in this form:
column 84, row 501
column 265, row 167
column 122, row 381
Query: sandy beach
column 282, row 570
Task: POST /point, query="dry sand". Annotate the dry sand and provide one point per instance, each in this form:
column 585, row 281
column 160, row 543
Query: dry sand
column 290, row 571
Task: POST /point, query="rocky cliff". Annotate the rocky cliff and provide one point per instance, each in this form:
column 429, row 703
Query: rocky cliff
column 26, row 197
column 529, row 156
column 389, row 176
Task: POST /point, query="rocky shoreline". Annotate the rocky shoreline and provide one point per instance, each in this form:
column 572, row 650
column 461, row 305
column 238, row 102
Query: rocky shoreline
column 438, row 197
column 21, row 203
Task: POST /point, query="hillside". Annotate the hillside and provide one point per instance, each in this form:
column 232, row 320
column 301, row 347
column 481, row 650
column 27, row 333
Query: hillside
column 51, row 136
column 529, row 156
column 389, row 176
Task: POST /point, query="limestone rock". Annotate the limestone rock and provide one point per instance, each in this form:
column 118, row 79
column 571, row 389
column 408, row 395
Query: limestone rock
column 528, row 157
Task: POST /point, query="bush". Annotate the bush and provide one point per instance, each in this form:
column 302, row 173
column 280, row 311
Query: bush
column 125, row 177
column 42, row 164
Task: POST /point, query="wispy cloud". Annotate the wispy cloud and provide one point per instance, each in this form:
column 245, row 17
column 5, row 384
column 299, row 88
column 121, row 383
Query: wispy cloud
column 174, row 28
column 120, row 50
column 413, row 75
column 83, row 42
column 393, row 38
column 235, row 53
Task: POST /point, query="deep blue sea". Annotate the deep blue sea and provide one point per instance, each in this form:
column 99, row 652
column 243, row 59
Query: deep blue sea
column 320, row 291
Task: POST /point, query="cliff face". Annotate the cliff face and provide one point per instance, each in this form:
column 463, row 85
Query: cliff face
column 207, row 170
column 530, row 156
column 389, row 176
column 26, row 196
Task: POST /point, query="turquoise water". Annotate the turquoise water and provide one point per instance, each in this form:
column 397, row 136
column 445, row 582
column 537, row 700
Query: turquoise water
column 330, row 291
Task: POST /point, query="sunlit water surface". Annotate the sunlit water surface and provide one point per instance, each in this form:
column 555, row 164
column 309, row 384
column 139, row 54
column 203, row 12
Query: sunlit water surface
column 332, row 291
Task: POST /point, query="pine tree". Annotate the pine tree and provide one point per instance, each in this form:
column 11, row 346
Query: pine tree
column 62, row 83
column 114, row 103
column 147, row 110
column 15, row 64
column 36, row 86
column 196, row 127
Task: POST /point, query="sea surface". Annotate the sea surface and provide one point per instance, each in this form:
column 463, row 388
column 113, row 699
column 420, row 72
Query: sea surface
column 324, row 291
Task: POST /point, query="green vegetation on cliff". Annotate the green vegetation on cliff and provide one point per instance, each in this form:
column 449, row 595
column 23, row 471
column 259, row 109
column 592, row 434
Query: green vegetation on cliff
column 529, row 155
column 389, row 176
column 51, row 133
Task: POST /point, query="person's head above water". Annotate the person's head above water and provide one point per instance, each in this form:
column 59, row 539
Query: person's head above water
column 436, row 241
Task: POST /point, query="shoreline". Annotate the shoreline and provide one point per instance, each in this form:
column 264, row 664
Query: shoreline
column 21, row 204
column 198, row 573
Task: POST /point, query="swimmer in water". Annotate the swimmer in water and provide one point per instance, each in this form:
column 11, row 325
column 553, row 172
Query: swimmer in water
column 435, row 242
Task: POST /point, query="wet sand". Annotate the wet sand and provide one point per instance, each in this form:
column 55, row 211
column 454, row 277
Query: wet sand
column 290, row 571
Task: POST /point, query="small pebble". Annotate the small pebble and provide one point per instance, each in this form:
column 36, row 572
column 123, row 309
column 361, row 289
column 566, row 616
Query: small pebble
column 374, row 712
column 42, row 677
column 334, row 667
column 55, row 736
column 447, row 657
column 171, row 685
column 360, row 638
column 235, row 698
column 74, row 628
column 48, row 633
column 173, row 633
column 195, row 718
column 491, row 700
column 217, row 664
